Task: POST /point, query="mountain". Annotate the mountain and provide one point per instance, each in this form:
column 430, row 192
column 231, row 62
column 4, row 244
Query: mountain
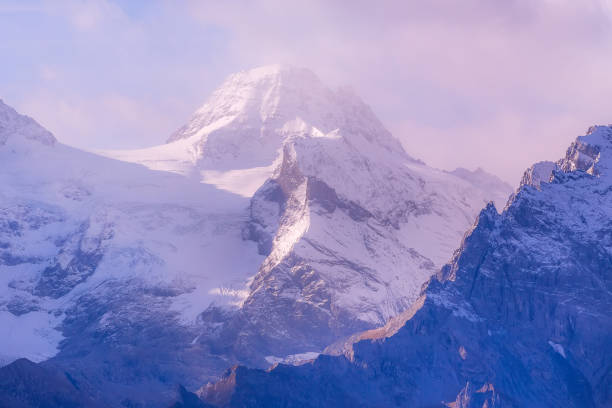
column 26, row 384
column 238, row 132
column 350, row 224
column 518, row 318
column 105, row 266
column 489, row 182
column 283, row 217
column 15, row 126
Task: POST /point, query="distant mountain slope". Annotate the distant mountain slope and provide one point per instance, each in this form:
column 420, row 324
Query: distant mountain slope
column 519, row 318
column 281, row 218
column 488, row 182
column 24, row 384
column 14, row 126
column 105, row 265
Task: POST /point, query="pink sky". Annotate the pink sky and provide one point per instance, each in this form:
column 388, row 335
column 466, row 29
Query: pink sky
column 497, row 84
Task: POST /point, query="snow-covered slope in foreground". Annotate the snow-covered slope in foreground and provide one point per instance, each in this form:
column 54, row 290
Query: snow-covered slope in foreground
column 102, row 260
column 520, row 317
column 281, row 218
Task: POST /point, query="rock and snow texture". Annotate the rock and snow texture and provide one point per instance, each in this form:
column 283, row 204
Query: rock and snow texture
column 351, row 234
column 103, row 263
column 351, row 225
column 282, row 217
column 539, row 173
column 520, row 317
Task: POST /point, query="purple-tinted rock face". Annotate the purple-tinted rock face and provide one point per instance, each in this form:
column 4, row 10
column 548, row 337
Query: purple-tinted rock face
column 520, row 317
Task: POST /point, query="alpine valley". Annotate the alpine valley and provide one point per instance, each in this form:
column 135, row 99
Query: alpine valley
column 281, row 219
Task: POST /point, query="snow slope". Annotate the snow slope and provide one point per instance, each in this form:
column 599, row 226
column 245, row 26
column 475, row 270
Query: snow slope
column 72, row 223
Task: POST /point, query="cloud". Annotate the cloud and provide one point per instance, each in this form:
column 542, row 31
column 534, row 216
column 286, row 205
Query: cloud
column 493, row 83
column 47, row 73
column 113, row 116
column 475, row 82
column 91, row 14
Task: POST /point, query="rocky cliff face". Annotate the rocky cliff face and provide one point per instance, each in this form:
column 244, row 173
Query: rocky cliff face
column 519, row 317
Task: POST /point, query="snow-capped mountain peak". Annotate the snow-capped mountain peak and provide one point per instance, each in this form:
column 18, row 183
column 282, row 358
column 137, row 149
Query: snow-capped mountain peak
column 587, row 151
column 235, row 138
column 17, row 127
column 273, row 95
column 263, row 104
column 538, row 173
column 591, row 153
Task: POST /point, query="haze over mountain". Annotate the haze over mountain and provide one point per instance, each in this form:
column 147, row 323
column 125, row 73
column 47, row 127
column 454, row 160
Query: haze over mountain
column 281, row 218
column 470, row 83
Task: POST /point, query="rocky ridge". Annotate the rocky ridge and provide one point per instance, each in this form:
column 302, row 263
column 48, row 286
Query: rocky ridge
column 519, row 317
